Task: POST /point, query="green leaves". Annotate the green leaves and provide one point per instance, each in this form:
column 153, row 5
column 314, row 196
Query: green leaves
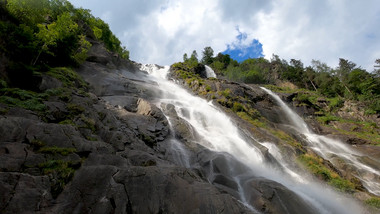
column 84, row 46
column 51, row 33
column 29, row 11
column 207, row 59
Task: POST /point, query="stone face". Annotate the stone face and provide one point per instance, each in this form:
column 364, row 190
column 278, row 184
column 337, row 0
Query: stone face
column 105, row 158
column 110, row 151
column 273, row 197
column 49, row 82
column 23, row 193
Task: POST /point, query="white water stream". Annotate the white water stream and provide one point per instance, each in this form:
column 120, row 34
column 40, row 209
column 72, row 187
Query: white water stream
column 210, row 72
column 219, row 134
column 332, row 149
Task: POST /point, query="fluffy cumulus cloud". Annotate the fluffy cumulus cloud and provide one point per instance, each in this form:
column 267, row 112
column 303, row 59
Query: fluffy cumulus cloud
column 326, row 30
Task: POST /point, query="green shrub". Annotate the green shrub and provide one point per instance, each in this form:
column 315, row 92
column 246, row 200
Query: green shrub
column 255, row 122
column 237, row 107
column 67, row 122
column 316, row 166
column 57, row 150
column 75, row 109
column 22, row 98
column 3, row 84
column 208, row 88
column 375, row 202
column 68, row 77
column 286, row 138
column 335, row 103
column 90, row 123
column 326, row 119
column 307, row 98
column 61, row 171
column 225, row 93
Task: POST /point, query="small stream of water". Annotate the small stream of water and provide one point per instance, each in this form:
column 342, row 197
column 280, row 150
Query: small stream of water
column 331, row 149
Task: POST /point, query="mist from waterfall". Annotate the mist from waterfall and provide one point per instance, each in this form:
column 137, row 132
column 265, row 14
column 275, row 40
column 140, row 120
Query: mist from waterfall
column 331, row 149
column 218, row 133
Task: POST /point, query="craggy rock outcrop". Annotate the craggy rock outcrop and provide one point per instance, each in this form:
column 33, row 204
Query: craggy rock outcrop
column 109, row 149
column 103, row 151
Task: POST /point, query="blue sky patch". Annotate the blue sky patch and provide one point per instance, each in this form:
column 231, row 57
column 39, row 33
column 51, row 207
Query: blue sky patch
column 240, row 52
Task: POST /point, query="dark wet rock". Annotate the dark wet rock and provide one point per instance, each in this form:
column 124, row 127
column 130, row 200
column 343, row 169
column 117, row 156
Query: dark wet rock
column 12, row 156
column 182, row 129
column 110, row 150
column 48, row 82
column 272, row 197
column 129, row 103
column 23, row 193
column 56, row 111
column 107, row 184
column 13, row 129
column 99, row 54
column 168, row 189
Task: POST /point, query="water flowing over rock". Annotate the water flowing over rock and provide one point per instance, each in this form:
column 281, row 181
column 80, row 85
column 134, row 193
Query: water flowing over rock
column 237, row 165
column 210, row 72
column 335, row 151
column 140, row 143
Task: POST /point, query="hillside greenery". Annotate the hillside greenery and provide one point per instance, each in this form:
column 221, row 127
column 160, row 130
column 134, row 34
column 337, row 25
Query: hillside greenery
column 38, row 35
column 345, row 82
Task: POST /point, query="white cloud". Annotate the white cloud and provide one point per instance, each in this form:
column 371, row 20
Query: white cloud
column 161, row 31
column 324, row 30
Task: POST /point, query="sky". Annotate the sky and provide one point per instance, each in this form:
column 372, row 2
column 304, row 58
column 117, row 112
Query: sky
column 161, row 31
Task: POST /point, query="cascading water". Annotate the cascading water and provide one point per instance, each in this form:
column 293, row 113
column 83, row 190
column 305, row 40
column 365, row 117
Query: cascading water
column 209, row 72
column 219, row 134
column 333, row 150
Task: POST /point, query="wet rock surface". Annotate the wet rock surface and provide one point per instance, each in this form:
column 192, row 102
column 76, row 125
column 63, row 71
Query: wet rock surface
column 109, row 151
column 99, row 153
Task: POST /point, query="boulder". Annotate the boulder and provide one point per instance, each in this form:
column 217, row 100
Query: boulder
column 23, row 193
column 49, row 82
column 271, row 197
column 183, row 130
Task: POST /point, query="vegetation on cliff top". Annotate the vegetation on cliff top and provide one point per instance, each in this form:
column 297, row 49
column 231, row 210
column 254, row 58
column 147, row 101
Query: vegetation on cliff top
column 346, row 82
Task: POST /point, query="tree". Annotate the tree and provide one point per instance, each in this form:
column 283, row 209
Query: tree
column 223, row 58
column 185, row 57
column 194, row 56
column 294, row 73
column 278, row 67
column 208, row 54
column 310, row 75
column 377, row 68
column 30, row 12
column 320, row 67
column 343, row 71
column 51, row 33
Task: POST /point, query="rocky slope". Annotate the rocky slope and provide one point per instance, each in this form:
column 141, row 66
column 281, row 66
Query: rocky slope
column 98, row 151
column 256, row 111
column 103, row 147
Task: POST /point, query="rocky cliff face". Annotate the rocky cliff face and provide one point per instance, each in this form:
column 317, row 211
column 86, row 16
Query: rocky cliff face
column 101, row 151
column 106, row 148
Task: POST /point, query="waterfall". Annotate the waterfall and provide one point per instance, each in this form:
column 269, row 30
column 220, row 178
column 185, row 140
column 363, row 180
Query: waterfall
column 243, row 159
column 210, row 72
column 333, row 150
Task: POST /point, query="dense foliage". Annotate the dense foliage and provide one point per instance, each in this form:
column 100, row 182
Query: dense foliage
column 37, row 35
column 347, row 81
